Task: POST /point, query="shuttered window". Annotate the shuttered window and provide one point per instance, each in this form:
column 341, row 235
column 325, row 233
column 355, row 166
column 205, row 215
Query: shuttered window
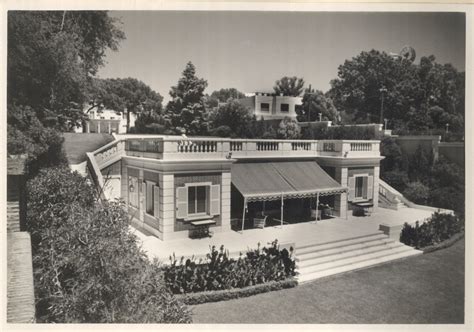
column 197, row 200
column 361, row 187
column 133, row 191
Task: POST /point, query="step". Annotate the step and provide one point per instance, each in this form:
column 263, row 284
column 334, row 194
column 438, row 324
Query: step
column 354, row 259
column 350, row 253
column 342, row 249
column 309, row 248
column 357, row 265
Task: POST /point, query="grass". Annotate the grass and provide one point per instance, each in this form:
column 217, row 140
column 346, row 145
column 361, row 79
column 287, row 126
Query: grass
column 76, row 145
column 424, row 289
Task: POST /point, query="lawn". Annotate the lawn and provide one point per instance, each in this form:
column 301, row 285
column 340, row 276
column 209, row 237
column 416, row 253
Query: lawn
column 76, row 145
column 424, row 289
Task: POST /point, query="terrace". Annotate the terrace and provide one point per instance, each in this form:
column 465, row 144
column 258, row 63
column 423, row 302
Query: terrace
column 170, row 148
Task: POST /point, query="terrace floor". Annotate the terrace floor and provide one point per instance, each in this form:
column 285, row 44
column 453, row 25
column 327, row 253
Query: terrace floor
column 327, row 230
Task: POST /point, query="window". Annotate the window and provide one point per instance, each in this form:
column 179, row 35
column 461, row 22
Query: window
column 150, row 208
column 285, row 108
column 264, row 107
column 197, row 200
column 133, row 191
column 359, row 186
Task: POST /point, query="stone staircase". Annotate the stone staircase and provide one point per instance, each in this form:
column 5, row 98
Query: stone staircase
column 316, row 261
column 390, row 198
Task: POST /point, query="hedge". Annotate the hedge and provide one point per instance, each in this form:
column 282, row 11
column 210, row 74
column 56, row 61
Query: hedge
column 437, row 229
column 218, row 271
column 235, row 293
column 445, row 244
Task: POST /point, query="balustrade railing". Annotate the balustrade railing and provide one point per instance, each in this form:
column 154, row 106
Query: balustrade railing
column 268, row 146
column 196, row 147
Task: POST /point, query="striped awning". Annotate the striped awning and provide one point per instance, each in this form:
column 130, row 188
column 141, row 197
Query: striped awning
column 261, row 181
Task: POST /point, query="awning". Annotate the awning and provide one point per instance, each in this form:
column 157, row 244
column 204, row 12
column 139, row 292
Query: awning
column 272, row 180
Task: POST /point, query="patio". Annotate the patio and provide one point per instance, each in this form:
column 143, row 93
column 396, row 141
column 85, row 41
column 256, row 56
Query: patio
column 300, row 234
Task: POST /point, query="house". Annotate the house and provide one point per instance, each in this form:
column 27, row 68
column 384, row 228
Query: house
column 106, row 121
column 175, row 186
column 271, row 106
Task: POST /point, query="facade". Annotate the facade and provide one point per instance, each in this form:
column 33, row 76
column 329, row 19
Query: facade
column 107, row 121
column 271, row 106
column 174, row 186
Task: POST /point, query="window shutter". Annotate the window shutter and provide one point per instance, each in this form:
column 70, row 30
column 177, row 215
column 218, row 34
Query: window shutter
column 215, row 200
column 156, row 196
column 351, row 188
column 370, row 187
column 181, row 202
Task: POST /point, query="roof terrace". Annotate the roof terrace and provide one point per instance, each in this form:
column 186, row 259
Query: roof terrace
column 211, row 148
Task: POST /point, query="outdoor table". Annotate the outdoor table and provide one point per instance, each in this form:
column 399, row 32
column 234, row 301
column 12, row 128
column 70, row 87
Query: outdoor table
column 201, row 228
column 366, row 207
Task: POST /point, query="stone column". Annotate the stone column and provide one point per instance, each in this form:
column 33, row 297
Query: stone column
column 225, row 201
column 88, row 129
column 124, row 183
column 109, row 127
column 167, row 206
column 375, row 196
column 98, row 127
column 340, row 201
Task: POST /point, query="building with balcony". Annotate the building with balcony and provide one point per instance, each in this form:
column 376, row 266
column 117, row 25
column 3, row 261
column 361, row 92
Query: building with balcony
column 106, row 122
column 174, row 186
column 271, row 106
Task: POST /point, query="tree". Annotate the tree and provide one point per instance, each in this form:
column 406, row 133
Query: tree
column 52, row 56
column 289, row 86
column 417, row 192
column 222, row 95
column 288, row 129
column 409, row 92
column 88, row 267
column 127, row 95
column 235, row 116
column 187, row 109
column 314, row 103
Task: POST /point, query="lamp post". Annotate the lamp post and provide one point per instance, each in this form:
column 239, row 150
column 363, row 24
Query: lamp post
column 385, row 127
column 447, row 128
column 382, row 91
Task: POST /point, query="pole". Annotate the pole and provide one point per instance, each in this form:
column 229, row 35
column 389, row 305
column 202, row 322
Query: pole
column 382, row 90
column 243, row 213
column 281, row 210
column 317, row 206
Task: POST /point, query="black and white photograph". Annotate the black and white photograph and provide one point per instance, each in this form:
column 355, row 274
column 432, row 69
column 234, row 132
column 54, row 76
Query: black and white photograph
column 237, row 164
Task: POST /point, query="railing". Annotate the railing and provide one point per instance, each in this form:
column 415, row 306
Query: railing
column 176, row 148
column 109, row 152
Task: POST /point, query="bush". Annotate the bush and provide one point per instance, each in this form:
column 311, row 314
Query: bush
column 229, row 294
column 417, row 192
column 221, row 272
column 288, row 129
column 397, row 179
column 87, row 265
column 438, row 228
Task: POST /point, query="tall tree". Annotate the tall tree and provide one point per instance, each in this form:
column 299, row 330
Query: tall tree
column 315, row 103
column 187, row 109
column 415, row 97
column 235, row 116
column 289, row 86
column 223, row 95
column 52, row 56
column 127, row 95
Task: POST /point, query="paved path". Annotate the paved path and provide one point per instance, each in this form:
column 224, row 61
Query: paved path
column 303, row 233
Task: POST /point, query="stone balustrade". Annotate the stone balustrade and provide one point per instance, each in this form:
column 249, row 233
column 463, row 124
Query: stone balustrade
column 177, row 148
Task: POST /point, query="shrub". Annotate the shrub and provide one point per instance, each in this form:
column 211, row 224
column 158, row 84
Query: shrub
column 417, row 192
column 288, row 129
column 221, row 272
column 438, row 228
column 87, row 265
column 229, row 294
column 397, row 179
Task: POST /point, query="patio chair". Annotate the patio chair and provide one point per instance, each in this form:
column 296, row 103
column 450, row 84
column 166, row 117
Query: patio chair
column 259, row 222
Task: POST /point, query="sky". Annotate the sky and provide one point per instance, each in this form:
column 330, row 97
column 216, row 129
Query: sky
column 249, row 51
